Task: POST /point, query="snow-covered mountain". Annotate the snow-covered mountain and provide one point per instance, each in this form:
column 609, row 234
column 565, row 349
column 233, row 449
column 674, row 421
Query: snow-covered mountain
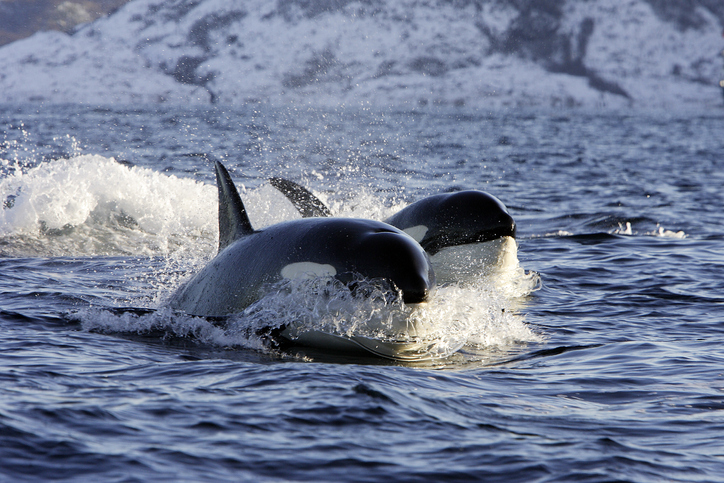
column 478, row 53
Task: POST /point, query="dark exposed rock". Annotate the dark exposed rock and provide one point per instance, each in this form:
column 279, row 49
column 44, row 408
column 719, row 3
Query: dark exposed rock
column 178, row 8
column 536, row 35
column 313, row 8
column 685, row 14
column 199, row 33
column 185, row 71
column 429, row 66
column 322, row 67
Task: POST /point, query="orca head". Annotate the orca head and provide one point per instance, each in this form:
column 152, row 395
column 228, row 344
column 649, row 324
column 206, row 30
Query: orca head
column 383, row 252
column 435, row 222
column 454, row 219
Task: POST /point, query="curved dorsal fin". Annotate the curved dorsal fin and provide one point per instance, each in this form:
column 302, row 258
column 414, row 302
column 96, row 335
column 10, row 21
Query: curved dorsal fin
column 308, row 205
column 233, row 221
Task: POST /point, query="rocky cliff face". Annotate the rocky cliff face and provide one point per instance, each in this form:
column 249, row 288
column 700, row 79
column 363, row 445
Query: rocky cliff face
column 494, row 53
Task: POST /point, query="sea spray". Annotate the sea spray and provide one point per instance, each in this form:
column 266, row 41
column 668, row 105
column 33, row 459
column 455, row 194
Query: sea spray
column 477, row 315
column 92, row 205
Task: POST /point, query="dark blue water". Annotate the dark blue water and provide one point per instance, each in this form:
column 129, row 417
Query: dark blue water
column 612, row 371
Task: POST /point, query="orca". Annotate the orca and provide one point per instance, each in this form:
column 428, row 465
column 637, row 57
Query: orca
column 453, row 219
column 436, row 222
column 466, row 233
column 249, row 261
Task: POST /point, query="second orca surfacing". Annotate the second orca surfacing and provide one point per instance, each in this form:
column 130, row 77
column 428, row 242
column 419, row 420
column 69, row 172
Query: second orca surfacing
column 344, row 249
column 465, row 233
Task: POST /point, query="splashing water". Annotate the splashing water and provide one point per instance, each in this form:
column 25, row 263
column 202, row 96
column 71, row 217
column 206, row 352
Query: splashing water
column 90, row 205
column 475, row 314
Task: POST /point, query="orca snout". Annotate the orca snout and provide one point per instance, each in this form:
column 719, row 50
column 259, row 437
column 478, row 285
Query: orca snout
column 486, row 213
column 416, row 293
column 506, row 225
column 399, row 259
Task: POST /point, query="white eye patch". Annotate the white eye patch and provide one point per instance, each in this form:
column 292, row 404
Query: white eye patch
column 416, row 232
column 307, row 270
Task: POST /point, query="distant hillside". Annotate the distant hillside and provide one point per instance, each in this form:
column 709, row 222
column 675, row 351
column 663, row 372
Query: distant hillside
column 22, row 18
column 481, row 53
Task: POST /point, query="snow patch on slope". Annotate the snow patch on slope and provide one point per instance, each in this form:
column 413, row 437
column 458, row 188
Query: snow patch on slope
column 374, row 52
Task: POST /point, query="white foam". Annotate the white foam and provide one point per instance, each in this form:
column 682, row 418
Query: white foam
column 482, row 312
column 475, row 314
column 167, row 323
column 553, row 234
column 90, row 204
column 660, row 231
column 623, row 230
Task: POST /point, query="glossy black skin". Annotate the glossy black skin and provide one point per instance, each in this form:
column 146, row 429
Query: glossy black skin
column 308, row 205
column 454, row 219
column 250, row 260
column 240, row 273
column 451, row 219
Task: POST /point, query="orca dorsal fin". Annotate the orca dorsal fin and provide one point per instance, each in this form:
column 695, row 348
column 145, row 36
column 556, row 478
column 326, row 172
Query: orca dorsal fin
column 233, row 221
column 308, row 205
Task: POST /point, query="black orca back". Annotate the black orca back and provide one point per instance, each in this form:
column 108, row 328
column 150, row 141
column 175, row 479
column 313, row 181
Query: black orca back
column 233, row 221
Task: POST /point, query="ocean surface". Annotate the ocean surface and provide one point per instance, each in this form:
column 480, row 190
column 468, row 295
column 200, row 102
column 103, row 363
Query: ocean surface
column 600, row 359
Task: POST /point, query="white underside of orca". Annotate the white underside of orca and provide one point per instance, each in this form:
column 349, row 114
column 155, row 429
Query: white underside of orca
column 466, row 263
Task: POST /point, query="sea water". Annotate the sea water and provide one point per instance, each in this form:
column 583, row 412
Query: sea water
column 598, row 358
